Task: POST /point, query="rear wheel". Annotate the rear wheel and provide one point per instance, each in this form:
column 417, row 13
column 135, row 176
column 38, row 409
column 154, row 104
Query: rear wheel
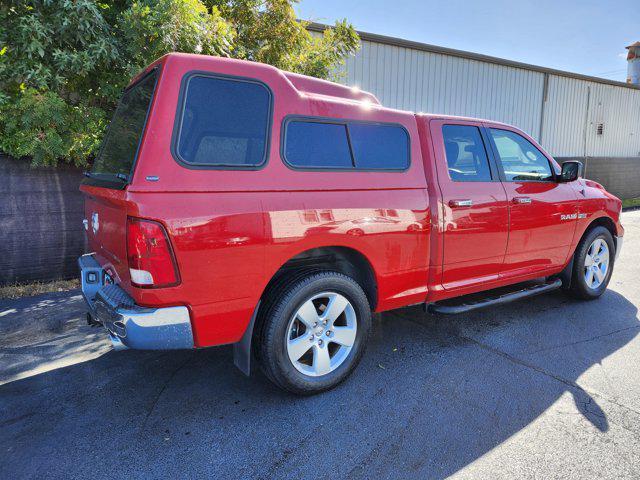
column 593, row 264
column 314, row 332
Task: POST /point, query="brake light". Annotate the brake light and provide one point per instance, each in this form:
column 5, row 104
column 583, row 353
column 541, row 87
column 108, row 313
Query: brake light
column 150, row 256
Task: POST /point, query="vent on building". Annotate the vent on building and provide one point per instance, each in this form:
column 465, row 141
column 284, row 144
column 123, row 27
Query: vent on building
column 600, row 129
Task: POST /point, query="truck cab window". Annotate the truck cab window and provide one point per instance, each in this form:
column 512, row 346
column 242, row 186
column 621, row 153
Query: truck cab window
column 466, row 154
column 520, row 160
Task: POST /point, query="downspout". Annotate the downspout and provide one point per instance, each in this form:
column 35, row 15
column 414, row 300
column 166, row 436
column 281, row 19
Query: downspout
column 586, row 129
column 545, row 94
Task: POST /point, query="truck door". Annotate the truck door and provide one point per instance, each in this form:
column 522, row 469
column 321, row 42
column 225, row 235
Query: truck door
column 542, row 212
column 474, row 203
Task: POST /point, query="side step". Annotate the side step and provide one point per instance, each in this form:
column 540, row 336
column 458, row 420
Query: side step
column 498, row 300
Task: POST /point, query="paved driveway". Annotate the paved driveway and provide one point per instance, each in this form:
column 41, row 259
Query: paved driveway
column 547, row 387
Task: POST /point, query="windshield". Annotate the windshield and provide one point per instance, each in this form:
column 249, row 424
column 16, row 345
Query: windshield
column 120, row 146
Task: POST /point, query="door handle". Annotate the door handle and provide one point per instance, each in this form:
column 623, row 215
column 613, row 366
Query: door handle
column 460, row 203
column 521, row 200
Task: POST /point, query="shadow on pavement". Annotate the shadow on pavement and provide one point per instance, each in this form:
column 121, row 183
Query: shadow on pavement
column 432, row 395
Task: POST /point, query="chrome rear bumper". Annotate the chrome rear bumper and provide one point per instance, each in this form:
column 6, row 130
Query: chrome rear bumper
column 130, row 325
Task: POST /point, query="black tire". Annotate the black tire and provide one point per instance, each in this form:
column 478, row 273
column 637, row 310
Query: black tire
column 280, row 306
column 579, row 287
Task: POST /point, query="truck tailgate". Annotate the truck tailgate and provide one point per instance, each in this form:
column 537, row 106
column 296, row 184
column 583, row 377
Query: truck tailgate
column 106, row 215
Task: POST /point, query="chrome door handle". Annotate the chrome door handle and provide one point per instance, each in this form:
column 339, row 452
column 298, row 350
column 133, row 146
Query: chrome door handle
column 521, row 200
column 460, row 203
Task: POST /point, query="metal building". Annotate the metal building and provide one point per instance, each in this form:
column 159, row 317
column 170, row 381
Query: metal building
column 573, row 116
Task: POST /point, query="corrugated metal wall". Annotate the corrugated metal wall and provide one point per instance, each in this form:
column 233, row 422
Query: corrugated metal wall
column 574, row 110
column 618, row 109
column 413, row 79
column 565, row 114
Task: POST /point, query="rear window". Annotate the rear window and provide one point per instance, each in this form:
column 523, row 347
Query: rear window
column 321, row 144
column 224, row 123
column 117, row 155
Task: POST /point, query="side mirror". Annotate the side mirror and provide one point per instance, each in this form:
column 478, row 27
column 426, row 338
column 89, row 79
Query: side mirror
column 571, row 170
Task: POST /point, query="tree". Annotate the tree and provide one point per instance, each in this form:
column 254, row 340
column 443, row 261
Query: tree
column 268, row 32
column 64, row 63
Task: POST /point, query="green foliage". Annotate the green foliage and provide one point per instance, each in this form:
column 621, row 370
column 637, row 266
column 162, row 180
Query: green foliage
column 64, row 63
column 268, row 32
column 324, row 54
column 46, row 128
column 150, row 29
column 631, row 203
column 57, row 45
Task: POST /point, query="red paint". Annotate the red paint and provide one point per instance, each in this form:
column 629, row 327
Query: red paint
column 232, row 230
column 475, row 238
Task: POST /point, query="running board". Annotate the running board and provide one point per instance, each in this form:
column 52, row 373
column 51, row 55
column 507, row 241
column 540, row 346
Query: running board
column 491, row 301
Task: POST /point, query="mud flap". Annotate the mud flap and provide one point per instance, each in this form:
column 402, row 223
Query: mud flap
column 242, row 349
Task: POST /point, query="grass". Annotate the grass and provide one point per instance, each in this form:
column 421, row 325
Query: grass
column 631, row 202
column 18, row 290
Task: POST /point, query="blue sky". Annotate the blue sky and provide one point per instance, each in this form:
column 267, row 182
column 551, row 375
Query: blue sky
column 578, row 36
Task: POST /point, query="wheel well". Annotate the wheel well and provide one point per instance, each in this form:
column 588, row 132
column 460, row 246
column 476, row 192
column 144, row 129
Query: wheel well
column 345, row 260
column 605, row 222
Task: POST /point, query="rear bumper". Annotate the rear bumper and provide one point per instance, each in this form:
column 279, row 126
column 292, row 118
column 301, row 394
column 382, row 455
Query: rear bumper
column 130, row 325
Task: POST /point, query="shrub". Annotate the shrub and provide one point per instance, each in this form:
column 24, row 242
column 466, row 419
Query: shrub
column 41, row 125
column 64, row 63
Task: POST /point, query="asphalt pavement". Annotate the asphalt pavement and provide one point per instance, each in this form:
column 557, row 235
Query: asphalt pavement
column 547, row 387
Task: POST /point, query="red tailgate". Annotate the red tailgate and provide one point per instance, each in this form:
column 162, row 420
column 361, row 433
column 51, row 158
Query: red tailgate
column 106, row 214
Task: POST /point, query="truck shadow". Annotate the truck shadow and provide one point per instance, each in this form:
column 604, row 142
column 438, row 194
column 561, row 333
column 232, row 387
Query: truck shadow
column 432, row 395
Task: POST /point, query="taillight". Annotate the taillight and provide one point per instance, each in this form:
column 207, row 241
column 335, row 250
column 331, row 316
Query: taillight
column 151, row 260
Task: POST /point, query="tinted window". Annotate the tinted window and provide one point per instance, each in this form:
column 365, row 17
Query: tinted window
column 120, row 145
column 379, row 146
column 317, row 145
column 224, row 122
column 351, row 145
column 466, row 155
column 520, row 160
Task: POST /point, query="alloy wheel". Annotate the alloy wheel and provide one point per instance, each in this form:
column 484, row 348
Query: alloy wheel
column 321, row 334
column 596, row 263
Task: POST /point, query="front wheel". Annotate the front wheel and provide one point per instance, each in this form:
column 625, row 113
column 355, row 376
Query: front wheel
column 314, row 332
column 593, row 264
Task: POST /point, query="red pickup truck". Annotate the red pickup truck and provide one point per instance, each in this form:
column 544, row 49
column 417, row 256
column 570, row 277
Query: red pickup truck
column 234, row 203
